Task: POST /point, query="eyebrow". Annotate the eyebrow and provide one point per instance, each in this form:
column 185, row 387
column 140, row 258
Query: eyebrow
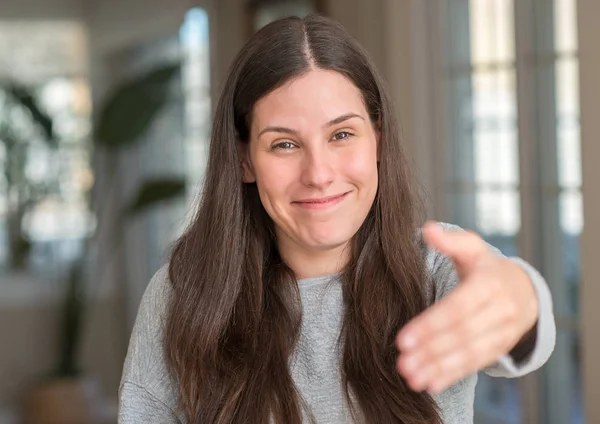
column 331, row 123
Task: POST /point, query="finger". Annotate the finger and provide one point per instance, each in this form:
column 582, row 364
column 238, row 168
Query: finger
column 461, row 363
column 460, row 303
column 464, row 247
column 488, row 316
column 484, row 352
column 436, row 349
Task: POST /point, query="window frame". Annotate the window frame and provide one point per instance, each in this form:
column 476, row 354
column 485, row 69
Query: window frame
column 539, row 240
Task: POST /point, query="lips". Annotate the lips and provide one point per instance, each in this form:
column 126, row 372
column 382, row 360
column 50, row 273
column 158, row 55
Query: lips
column 321, row 202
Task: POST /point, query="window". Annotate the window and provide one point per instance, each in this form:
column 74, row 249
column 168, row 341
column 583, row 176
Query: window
column 43, row 190
column 194, row 39
column 514, row 169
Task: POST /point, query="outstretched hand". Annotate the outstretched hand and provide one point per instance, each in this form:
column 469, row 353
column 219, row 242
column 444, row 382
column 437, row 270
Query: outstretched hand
column 487, row 314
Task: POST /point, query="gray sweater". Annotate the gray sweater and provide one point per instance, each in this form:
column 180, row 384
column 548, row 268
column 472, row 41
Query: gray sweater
column 148, row 394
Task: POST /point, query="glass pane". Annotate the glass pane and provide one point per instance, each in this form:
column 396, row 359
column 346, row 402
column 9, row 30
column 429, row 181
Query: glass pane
column 565, row 26
column 495, row 137
column 194, row 36
column 69, row 102
column 496, row 156
column 497, row 401
column 571, row 220
column 50, row 215
column 567, row 88
column 58, row 221
column 571, row 212
column 498, row 211
column 492, row 24
column 569, row 156
column 494, row 97
column 567, row 112
column 563, row 384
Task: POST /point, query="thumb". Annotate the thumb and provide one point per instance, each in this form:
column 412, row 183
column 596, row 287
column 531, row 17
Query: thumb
column 464, row 247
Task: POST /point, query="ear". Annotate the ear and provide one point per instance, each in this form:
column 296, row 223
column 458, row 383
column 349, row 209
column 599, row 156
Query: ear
column 247, row 170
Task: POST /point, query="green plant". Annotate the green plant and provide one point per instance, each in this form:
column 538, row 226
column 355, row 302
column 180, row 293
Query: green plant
column 123, row 118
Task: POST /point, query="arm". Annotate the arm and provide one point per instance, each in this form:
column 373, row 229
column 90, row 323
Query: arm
column 491, row 313
column 536, row 346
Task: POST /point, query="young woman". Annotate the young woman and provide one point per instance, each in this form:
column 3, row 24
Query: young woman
column 307, row 288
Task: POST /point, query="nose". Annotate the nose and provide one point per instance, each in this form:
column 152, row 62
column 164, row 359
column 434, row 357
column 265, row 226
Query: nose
column 318, row 168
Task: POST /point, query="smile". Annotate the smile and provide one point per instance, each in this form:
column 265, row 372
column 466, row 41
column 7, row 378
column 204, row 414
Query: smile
column 322, row 202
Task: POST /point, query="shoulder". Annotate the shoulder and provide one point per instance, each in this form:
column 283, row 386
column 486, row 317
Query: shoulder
column 145, row 365
column 157, row 295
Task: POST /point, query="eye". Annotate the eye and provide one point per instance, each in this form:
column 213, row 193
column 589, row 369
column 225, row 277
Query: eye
column 284, row 145
column 341, row 135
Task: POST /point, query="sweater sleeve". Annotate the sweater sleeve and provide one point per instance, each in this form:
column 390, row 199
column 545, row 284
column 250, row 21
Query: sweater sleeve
column 545, row 337
column 446, row 279
column 147, row 393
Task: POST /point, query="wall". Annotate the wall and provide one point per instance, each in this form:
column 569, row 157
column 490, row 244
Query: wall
column 589, row 63
column 112, row 29
column 34, row 9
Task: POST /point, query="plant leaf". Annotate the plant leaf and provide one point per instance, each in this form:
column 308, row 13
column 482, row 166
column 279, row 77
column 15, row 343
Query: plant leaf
column 26, row 99
column 155, row 191
column 132, row 107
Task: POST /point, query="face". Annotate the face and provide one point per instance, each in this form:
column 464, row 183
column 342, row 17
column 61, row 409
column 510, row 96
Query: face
column 313, row 155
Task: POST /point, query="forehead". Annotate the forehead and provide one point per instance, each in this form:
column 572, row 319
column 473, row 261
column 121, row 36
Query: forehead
column 314, row 97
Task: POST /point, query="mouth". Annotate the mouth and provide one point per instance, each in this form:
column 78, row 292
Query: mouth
column 321, row 202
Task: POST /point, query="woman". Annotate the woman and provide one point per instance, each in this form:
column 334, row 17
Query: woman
column 304, row 290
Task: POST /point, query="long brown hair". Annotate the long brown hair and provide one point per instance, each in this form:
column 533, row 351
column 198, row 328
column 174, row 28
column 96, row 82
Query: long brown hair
column 235, row 315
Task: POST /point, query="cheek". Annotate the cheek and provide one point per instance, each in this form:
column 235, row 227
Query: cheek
column 360, row 165
column 273, row 179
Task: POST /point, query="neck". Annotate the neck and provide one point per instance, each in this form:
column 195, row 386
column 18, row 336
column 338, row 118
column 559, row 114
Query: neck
column 311, row 263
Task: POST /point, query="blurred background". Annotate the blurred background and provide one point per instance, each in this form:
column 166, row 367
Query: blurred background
column 105, row 111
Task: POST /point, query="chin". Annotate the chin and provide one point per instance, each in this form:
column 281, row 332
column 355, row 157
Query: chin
column 327, row 242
